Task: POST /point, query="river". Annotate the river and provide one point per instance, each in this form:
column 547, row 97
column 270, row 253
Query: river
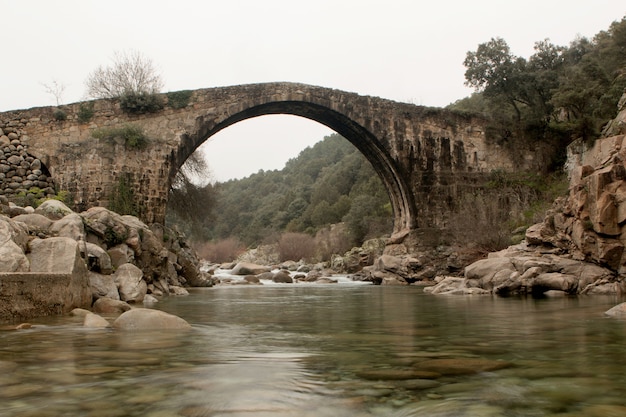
column 327, row 351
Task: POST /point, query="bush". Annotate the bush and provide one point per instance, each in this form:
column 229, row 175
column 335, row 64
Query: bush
column 85, row 112
column 140, row 103
column 179, row 99
column 59, row 115
column 296, row 246
column 133, row 136
column 122, row 200
column 224, row 250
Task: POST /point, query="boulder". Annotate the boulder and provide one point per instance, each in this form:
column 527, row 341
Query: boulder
column 282, row 277
column 98, row 259
column 103, row 286
column 120, row 254
column 14, row 231
column 617, row 311
column 106, row 305
column 95, row 321
column 53, row 209
column 131, row 286
column 149, row 319
column 247, row 268
column 56, row 254
column 12, row 258
column 71, row 225
column 36, row 223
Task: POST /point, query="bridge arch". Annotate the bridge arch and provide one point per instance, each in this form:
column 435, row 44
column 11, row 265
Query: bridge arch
column 362, row 138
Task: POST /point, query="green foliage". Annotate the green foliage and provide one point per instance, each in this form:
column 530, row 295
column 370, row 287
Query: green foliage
column 132, row 136
column 312, row 192
column 85, row 112
column 122, row 199
column 113, row 237
column 559, row 93
column 59, row 115
column 140, row 103
column 179, row 99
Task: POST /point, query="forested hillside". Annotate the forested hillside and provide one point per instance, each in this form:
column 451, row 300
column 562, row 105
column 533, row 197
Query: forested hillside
column 328, row 183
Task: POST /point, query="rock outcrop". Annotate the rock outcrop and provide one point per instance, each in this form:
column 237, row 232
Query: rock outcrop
column 580, row 245
column 103, row 254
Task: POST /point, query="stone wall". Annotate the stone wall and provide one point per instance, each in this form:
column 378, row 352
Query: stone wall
column 21, row 174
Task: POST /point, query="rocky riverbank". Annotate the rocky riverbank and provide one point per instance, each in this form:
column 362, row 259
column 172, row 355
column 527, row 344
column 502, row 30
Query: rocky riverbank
column 579, row 248
column 53, row 260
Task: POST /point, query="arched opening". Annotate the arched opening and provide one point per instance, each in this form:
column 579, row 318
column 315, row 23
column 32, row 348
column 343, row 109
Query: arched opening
column 364, row 140
column 325, row 189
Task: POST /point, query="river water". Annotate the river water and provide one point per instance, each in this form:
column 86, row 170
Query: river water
column 327, row 350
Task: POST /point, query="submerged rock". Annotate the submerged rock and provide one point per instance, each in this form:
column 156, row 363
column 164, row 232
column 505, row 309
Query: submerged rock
column 148, row 319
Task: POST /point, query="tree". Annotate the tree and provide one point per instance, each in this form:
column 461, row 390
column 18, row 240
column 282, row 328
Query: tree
column 191, row 205
column 130, row 73
column 493, row 70
column 56, row 90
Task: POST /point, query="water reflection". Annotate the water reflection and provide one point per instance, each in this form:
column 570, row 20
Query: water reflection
column 336, row 350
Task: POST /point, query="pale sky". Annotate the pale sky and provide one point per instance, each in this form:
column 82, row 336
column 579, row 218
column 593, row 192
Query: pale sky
column 403, row 50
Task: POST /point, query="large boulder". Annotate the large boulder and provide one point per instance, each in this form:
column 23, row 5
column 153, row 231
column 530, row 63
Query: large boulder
column 12, row 258
column 98, row 259
column 247, row 268
column 129, row 280
column 36, row 223
column 71, row 226
column 59, row 263
column 110, row 306
column 148, row 319
column 103, row 286
column 53, row 209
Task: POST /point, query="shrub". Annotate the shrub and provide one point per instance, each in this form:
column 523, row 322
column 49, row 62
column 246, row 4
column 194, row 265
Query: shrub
column 85, row 112
column 59, row 115
column 224, row 250
column 140, row 103
column 296, row 246
column 132, row 135
column 179, row 99
column 122, row 200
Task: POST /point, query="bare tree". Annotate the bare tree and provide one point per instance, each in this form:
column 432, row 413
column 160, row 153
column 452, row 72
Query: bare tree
column 56, row 90
column 130, row 73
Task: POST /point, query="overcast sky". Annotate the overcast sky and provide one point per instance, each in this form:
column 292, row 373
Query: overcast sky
column 404, row 50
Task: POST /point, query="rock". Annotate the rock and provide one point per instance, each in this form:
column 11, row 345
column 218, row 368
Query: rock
column 148, row 319
column 149, row 299
column 282, row 277
column 247, row 268
column 79, row 312
column 98, row 259
column 617, row 311
column 129, row 280
column 103, row 286
column 461, row 366
column 11, row 230
column 56, row 254
column 120, row 254
column 53, row 209
column 176, row 290
column 106, row 305
column 95, row 321
column 71, row 225
column 36, row 223
column 482, row 273
column 12, row 258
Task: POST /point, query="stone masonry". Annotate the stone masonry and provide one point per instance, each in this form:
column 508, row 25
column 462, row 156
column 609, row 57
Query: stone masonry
column 427, row 158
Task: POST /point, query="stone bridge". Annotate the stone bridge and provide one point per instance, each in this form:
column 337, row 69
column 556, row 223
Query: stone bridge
column 427, row 158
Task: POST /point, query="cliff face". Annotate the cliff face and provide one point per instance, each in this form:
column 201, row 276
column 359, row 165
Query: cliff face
column 590, row 222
